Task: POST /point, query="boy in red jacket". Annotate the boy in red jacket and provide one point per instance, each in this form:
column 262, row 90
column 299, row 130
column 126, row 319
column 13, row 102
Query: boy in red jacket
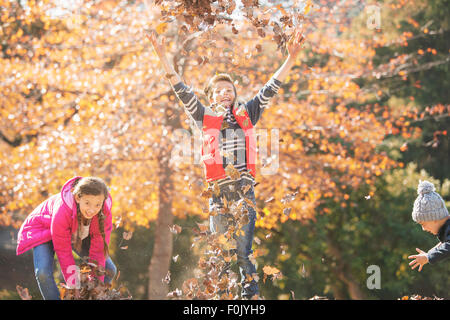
column 229, row 146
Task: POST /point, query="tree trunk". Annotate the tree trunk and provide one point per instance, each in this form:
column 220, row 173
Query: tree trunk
column 338, row 292
column 163, row 246
column 343, row 272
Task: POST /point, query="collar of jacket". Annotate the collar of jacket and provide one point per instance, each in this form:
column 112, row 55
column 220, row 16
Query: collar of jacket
column 444, row 231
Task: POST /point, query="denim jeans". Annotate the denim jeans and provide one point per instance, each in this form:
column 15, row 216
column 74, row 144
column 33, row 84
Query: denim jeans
column 43, row 259
column 220, row 223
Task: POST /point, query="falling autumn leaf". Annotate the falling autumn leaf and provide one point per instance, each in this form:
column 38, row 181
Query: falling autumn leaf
column 175, row 229
column 176, row 293
column 127, row 235
column 23, row 293
column 287, row 211
column 307, row 7
column 232, row 172
column 162, row 28
column 270, row 270
column 404, row 147
column 166, row 278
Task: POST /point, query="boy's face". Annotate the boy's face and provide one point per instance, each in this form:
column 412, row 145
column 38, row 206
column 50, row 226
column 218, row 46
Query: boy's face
column 430, row 226
column 90, row 205
column 223, row 94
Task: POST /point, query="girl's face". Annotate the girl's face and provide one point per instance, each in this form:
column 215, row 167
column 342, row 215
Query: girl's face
column 223, row 94
column 90, row 205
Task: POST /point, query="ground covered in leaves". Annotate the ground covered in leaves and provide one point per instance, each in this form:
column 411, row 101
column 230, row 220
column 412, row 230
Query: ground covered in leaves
column 90, row 288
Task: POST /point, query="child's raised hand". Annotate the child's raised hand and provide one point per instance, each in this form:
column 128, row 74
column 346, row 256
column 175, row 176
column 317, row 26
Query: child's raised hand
column 420, row 259
column 295, row 43
column 158, row 43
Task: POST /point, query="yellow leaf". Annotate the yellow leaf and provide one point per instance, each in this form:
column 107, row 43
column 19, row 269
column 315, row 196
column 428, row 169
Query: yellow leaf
column 270, row 270
column 307, row 7
column 162, row 27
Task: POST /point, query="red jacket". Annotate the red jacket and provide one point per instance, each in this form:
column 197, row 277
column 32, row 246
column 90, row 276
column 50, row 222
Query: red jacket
column 211, row 155
column 55, row 220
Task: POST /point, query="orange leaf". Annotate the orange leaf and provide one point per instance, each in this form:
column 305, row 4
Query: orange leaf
column 162, row 27
column 270, row 270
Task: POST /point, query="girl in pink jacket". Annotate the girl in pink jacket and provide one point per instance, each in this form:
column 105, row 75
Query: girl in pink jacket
column 80, row 218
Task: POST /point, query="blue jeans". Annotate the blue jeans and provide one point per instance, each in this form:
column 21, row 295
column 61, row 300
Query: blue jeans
column 43, row 259
column 220, row 223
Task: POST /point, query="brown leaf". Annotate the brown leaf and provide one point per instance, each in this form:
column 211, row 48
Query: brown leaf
column 23, row 293
column 85, row 269
column 207, row 193
column 176, row 293
column 232, row 172
column 246, row 188
column 270, row 270
column 216, row 189
column 287, row 211
column 127, row 235
column 261, row 32
column 202, row 228
column 225, row 125
column 166, row 278
column 175, row 229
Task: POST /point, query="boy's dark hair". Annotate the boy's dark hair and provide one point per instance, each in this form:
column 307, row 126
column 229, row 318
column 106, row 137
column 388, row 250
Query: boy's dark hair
column 91, row 186
column 218, row 77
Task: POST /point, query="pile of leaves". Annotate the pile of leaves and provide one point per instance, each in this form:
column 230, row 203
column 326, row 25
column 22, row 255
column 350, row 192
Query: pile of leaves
column 91, row 288
column 418, row 297
column 215, row 278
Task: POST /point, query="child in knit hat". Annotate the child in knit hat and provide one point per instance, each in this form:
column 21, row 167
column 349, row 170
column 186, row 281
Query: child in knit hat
column 431, row 213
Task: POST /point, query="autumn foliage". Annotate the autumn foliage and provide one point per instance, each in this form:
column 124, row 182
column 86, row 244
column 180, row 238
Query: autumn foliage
column 97, row 103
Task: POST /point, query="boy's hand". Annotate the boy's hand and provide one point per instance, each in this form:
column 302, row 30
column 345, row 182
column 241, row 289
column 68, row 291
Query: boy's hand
column 420, row 259
column 158, row 43
column 295, row 43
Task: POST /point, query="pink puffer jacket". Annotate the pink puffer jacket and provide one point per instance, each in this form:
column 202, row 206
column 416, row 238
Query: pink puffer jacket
column 55, row 220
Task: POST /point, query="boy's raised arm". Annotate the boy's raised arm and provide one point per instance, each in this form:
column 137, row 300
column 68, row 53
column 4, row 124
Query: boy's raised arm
column 159, row 45
column 194, row 108
column 256, row 105
column 294, row 47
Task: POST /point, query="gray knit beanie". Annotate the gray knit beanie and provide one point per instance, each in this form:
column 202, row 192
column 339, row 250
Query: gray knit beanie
column 429, row 205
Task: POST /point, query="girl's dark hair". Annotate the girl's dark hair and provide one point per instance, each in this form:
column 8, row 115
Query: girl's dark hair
column 91, row 186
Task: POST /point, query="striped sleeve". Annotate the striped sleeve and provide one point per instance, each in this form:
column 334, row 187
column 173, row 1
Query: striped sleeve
column 255, row 106
column 193, row 107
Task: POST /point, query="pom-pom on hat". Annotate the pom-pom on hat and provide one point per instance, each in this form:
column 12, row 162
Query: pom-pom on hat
column 429, row 205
